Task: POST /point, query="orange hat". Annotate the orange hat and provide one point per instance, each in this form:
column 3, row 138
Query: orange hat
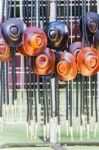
column 5, row 53
column 34, row 41
column 21, row 50
column 45, row 63
column 66, row 68
column 88, row 61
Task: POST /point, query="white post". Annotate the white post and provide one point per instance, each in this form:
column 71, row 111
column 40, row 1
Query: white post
column 53, row 121
column 22, row 70
column 38, row 105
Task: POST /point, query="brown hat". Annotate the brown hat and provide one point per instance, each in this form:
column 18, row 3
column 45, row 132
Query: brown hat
column 34, row 41
column 66, row 68
column 45, row 63
column 5, row 52
column 88, row 61
column 21, row 50
column 75, row 48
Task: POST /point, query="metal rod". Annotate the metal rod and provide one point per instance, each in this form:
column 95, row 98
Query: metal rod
column 14, row 94
column 25, row 69
column 71, row 82
column 66, row 13
column 44, row 103
column 96, row 105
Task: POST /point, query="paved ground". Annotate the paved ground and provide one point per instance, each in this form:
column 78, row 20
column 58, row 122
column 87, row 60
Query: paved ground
column 81, row 148
column 28, row 148
column 57, row 148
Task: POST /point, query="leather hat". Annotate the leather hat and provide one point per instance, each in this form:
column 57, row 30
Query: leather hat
column 34, row 41
column 88, row 61
column 66, row 68
column 21, row 50
column 75, row 48
column 5, row 52
column 96, row 40
column 92, row 24
column 45, row 63
column 57, row 35
column 12, row 31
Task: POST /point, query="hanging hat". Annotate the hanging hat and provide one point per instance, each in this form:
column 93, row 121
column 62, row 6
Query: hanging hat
column 34, row 41
column 21, row 50
column 12, row 31
column 45, row 63
column 88, row 61
column 57, row 35
column 75, row 48
column 96, row 40
column 92, row 24
column 66, row 68
column 5, row 52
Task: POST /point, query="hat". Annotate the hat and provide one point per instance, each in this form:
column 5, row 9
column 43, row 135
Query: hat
column 34, row 41
column 75, row 48
column 96, row 40
column 12, row 31
column 66, row 68
column 92, row 24
column 57, row 35
column 45, row 63
column 5, row 52
column 21, row 50
column 88, row 61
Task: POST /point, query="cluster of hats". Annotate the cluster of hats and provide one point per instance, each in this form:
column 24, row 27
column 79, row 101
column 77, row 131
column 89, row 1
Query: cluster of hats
column 43, row 45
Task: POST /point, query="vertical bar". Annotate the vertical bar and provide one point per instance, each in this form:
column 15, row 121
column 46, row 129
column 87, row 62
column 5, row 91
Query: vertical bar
column 21, row 70
column 71, row 82
column 53, row 121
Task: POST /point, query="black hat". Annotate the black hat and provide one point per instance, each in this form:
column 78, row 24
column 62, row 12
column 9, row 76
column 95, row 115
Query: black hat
column 12, row 31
